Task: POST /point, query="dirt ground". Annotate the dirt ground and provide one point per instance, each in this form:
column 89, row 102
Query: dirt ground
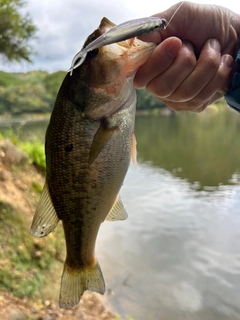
column 91, row 307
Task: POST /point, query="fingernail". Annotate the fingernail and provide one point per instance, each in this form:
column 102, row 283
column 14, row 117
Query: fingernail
column 214, row 44
column 227, row 60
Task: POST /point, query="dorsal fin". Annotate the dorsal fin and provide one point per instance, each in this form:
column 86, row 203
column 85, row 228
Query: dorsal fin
column 117, row 212
column 45, row 219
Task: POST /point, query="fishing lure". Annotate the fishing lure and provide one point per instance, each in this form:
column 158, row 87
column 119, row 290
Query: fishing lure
column 129, row 29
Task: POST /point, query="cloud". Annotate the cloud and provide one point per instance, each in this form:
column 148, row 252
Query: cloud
column 63, row 26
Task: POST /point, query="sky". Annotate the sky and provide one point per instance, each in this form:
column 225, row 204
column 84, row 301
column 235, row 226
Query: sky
column 63, row 26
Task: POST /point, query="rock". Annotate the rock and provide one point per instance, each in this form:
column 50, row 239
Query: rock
column 5, row 175
column 10, row 154
column 14, row 313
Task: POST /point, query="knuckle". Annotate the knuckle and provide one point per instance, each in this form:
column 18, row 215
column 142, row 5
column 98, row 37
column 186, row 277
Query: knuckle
column 160, row 88
column 185, row 93
column 211, row 62
column 188, row 59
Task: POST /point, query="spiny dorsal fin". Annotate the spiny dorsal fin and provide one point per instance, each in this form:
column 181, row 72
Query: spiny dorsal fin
column 134, row 150
column 100, row 138
column 45, row 219
column 117, row 212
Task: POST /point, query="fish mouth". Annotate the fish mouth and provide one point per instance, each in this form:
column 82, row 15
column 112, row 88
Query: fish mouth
column 133, row 53
column 133, row 46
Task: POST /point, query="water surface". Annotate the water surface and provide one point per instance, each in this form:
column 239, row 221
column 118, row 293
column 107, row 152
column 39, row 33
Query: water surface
column 177, row 256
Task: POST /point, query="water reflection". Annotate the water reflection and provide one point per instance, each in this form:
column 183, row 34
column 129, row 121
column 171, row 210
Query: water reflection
column 177, row 256
column 204, row 149
column 30, row 129
column 180, row 246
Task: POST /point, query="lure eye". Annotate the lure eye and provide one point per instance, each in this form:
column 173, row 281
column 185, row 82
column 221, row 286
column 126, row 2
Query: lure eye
column 76, row 62
column 92, row 54
column 164, row 24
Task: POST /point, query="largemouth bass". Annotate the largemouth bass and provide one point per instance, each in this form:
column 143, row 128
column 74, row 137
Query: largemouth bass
column 89, row 143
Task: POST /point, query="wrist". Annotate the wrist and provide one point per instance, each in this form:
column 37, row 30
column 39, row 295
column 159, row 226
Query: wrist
column 232, row 96
column 235, row 21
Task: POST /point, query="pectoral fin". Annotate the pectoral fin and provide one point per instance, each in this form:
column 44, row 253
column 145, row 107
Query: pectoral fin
column 134, row 150
column 117, row 212
column 100, row 138
column 45, row 219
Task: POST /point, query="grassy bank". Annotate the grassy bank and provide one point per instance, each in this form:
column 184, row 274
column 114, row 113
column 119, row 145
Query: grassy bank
column 30, row 268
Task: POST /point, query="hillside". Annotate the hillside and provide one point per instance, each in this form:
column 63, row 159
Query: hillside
column 35, row 92
column 30, row 268
column 31, row 92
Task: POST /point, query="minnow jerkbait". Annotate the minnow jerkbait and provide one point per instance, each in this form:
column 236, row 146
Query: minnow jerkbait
column 130, row 29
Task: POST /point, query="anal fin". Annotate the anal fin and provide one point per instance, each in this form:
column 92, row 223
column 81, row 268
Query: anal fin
column 117, row 212
column 45, row 219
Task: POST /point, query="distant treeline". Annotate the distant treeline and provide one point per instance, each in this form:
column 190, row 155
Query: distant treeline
column 31, row 92
column 35, row 92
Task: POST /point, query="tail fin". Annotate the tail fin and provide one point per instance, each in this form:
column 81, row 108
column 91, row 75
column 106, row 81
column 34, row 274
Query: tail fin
column 75, row 281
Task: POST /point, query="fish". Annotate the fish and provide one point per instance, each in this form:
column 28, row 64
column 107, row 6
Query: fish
column 123, row 31
column 89, row 145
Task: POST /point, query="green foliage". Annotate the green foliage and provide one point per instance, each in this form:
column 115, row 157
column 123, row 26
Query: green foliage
column 16, row 29
column 36, row 91
column 23, row 258
column 10, row 135
column 147, row 101
column 25, row 261
column 18, row 270
column 7, row 79
column 35, row 151
column 37, row 187
column 31, row 92
column 53, row 81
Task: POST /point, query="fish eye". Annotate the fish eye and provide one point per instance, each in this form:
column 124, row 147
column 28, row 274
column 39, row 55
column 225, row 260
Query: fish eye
column 92, row 54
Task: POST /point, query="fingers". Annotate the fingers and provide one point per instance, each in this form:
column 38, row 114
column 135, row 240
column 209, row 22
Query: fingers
column 216, row 87
column 166, row 84
column 205, row 84
column 160, row 60
column 183, row 82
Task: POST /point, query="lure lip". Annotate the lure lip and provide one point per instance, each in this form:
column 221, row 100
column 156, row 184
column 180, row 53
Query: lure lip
column 128, row 29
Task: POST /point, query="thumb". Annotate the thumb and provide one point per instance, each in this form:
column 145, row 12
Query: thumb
column 160, row 34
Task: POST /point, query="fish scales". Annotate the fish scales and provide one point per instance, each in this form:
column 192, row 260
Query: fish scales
column 77, row 186
column 89, row 143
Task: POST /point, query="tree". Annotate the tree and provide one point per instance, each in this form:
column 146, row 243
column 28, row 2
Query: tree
column 16, row 29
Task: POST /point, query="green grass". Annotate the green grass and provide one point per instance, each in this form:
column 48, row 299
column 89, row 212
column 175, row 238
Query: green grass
column 34, row 149
column 24, row 259
column 19, row 269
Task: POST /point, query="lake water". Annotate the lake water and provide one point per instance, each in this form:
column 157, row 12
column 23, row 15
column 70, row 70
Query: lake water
column 177, row 256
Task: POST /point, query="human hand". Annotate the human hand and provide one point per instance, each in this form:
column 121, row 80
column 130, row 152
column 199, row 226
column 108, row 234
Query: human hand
column 191, row 73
